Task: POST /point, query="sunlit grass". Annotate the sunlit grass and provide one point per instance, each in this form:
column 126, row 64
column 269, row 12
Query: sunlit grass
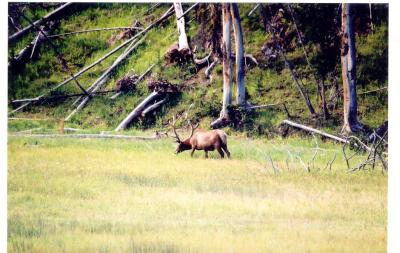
column 70, row 195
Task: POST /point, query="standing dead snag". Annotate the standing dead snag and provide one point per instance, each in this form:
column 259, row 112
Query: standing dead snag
column 226, row 66
column 181, row 52
column 348, row 61
column 237, row 28
column 180, row 23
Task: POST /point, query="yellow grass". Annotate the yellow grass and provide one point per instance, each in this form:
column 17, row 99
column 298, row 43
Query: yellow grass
column 121, row 196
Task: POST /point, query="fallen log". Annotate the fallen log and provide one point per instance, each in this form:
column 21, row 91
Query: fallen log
column 313, row 130
column 261, row 106
column 31, row 119
column 81, row 72
column 56, row 97
column 104, row 77
column 95, row 136
column 56, row 13
column 99, row 82
column 62, row 60
column 28, row 52
column 28, row 130
column 94, row 30
column 137, row 111
column 153, row 107
column 161, row 19
column 72, row 129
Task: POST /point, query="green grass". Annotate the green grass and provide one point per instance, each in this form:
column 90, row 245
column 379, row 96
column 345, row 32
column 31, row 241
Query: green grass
column 264, row 84
column 70, row 195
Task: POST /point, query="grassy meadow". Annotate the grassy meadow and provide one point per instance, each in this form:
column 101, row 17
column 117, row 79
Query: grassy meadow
column 85, row 195
column 98, row 195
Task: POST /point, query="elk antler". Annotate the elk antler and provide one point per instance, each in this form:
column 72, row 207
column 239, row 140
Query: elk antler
column 192, row 128
column 174, row 129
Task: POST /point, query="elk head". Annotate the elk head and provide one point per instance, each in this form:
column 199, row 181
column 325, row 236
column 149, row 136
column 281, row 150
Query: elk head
column 185, row 144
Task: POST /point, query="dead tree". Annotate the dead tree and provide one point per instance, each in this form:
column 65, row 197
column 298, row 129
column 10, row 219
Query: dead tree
column 81, row 72
column 348, row 61
column 181, row 52
column 104, row 77
column 138, row 110
column 227, row 67
column 180, row 23
column 52, row 15
column 160, row 90
column 237, row 28
column 313, row 130
column 126, row 28
column 31, row 50
column 153, row 107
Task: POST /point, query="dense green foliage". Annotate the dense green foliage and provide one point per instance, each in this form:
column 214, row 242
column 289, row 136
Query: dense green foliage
column 267, row 83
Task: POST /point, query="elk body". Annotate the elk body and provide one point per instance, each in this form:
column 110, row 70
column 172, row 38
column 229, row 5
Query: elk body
column 203, row 140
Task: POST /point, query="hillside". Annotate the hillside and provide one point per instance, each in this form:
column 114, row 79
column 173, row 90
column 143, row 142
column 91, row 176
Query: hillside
column 268, row 82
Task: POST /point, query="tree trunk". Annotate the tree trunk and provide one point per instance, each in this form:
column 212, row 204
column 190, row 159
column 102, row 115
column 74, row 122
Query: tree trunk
column 50, row 16
column 180, row 22
column 226, row 60
column 313, row 130
column 104, row 77
column 300, row 87
column 348, row 61
column 137, row 111
column 321, row 90
column 237, row 28
column 223, row 119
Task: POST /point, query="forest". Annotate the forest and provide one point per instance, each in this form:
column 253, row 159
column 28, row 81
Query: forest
column 99, row 92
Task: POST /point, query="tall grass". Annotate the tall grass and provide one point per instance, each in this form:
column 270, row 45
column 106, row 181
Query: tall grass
column 70, row 195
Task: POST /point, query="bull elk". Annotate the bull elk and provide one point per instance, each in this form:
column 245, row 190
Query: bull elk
column 202, row 140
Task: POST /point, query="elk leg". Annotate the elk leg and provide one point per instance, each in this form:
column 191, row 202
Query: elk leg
column 205, row 151
column 191, row 154
column 225, row 148
column 221, row 152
